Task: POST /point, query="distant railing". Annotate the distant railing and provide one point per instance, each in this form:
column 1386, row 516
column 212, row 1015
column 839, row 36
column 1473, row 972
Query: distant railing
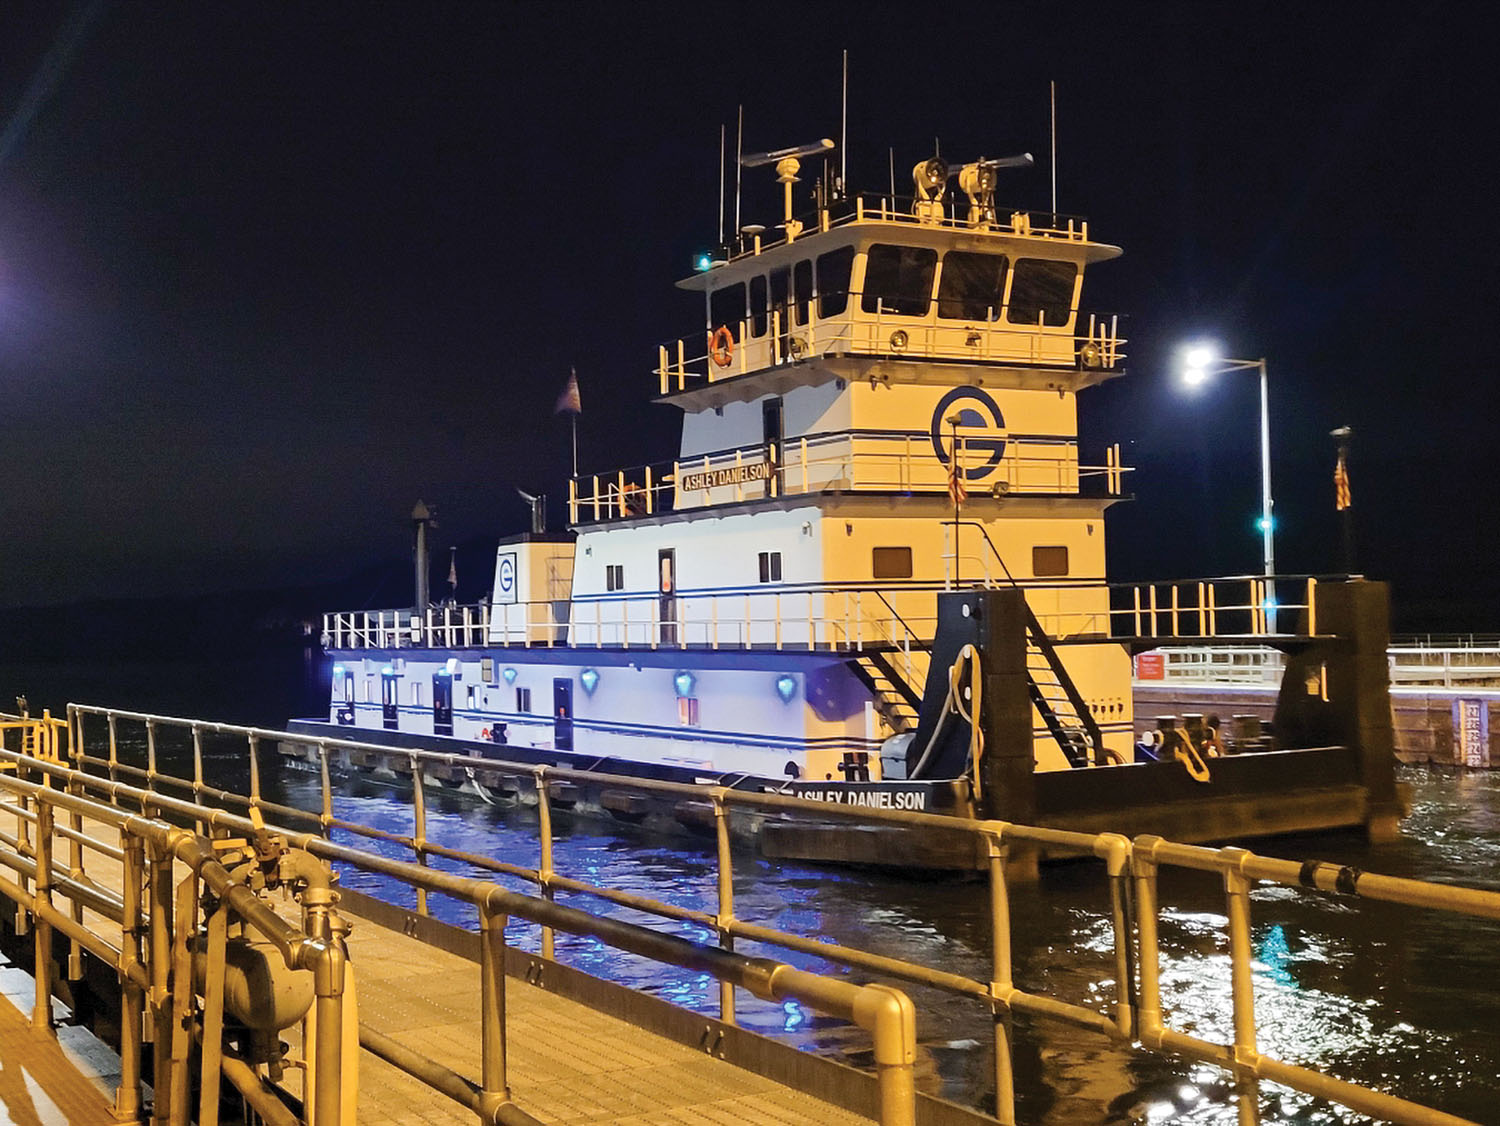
column 1245, row 606
column 1411, row 666
column 849, row 461
column 1134, row 1012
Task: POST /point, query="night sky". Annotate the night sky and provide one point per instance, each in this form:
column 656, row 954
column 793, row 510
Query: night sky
column 268, row 274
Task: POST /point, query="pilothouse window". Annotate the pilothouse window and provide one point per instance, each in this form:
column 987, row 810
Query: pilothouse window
column 802, row 287
column 1041, row 291
column 898, row 279
column 972, row 286
column 727, row 307
column 833, row 281
column 758, row 317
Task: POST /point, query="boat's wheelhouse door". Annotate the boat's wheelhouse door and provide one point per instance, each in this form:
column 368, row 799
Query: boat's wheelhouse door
column 666, row 564
column 442, row 702
column 773, row 433
column 345, row 686
column 390, row 709
column 562, row 713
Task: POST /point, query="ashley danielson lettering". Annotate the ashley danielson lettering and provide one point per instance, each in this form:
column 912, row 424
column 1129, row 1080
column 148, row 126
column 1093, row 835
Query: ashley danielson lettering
column 731, row 475
column 873, row 799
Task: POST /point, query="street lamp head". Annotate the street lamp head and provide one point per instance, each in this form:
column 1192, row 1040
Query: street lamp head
column 1197, row 361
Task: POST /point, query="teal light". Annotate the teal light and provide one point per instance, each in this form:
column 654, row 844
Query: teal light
column 338, row 670
column 786, row 687
column 509, row 675
column 684, row 682
column 388, row 671
column 1261, row 523
column 702, row 262
column 590, row 679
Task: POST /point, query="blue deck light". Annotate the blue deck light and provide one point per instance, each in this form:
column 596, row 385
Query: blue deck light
column 589, row 679
column 786, row 687
column 702, row 262
column 509, row 675
column 684, row 682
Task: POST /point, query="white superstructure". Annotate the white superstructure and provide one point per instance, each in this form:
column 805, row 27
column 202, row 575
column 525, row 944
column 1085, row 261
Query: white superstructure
column 764, row 602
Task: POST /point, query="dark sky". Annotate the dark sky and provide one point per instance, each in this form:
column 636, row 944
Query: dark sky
column 270, row 273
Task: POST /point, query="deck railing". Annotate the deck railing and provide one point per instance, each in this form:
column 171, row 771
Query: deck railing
column 1135, row 1012
column 884, row 1012
column 861, row 461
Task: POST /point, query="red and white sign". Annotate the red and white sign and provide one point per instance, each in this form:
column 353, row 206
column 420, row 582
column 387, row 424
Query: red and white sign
column 1151, row 666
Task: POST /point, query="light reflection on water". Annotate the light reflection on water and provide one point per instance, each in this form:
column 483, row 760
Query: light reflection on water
column 1402, row 1001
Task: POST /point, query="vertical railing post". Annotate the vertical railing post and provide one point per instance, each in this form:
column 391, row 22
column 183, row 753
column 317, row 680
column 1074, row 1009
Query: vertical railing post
column 213, row 1018
column 325, row 818
column 132, row 998
column 198, row 775
column 1001, row 982
column 544, row 865
column 419, row 826
column 253, row 741
column 328, row 1046
column 1115, row 850
column 725, row 918
column 159, row 956
column 496, row 1091
column 185, row 925
column 1242, row 977
column 146, row 809
column 41, row 1015
column 1143, row 872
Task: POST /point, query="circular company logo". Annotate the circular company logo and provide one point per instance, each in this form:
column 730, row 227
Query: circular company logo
column 507, row 582
column 975, row 409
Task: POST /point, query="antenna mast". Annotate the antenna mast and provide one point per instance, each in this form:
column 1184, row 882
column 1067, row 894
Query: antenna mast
column 723, row 131
column 844, row 130
column 739, row 151
column 1053, row 84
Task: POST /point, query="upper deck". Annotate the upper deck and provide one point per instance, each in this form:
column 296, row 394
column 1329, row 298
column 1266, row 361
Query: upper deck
column 972, row 300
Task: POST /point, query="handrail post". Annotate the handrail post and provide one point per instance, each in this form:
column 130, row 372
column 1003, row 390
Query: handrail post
column 212, row 1052
column 254, row 752
column 1115, row 850
column 159, row 956
column 185, row 925
column 419, row 826
column 725, row 917
column 1001, row 982
column 1242, row 977
column 496, row 1091
column 328, row 1047
column 41, row 1015
column 325, row 817
column 544, row 841
column 127, row 1106
column 114, row 754
column 1143, row 872
column 198, row 775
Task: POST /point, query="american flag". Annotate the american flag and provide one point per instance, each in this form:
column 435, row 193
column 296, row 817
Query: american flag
column 956, row 488
column 1341, row 496
column 568, row 402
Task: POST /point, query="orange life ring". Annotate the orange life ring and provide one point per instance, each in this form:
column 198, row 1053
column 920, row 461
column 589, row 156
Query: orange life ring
column 721, row 347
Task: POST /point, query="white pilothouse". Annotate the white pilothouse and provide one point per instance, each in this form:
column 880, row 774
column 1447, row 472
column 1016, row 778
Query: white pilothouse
column 882, row 407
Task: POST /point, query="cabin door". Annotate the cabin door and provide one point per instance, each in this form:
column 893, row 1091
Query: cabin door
column 562, row 713
column 773, row 434
column 442, row 702
column 346, row 704
column 666, row 569
column 390, row 708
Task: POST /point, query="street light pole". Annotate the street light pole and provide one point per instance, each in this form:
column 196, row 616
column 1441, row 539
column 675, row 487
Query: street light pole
column 1267, row 528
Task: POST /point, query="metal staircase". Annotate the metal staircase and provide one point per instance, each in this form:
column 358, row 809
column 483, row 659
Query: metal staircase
column 896, row 701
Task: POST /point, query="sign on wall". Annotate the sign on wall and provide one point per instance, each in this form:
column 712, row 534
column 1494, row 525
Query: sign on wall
column 505, row 578
column 1151, row 666
column 1471, row 732
column 729, row 475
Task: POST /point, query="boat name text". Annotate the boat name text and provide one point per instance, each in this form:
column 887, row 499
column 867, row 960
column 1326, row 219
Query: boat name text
column 730, row 475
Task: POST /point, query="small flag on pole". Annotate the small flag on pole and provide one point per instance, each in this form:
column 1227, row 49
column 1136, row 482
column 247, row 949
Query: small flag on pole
column 956, row 488
column 1341, row 496
column 568, row 402
column 453, row 568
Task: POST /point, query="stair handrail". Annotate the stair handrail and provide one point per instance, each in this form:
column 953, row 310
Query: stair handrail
column 1044, row 645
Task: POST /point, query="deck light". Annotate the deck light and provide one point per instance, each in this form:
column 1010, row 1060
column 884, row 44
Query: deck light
column 786, row 687
column 684, row 682
column 703, row 262
column 338, row 670
column 509, row 675
column 590, row 680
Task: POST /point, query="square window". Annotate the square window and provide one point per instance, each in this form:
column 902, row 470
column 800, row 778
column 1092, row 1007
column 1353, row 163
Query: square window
column 891, row 562
column 770, row 566
column 523, row 699
column 1047, row 561
column 614, row 576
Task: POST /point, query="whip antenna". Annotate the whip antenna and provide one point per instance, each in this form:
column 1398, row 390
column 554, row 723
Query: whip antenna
column 723, row 131
column 739, row 151
column 1053, row 84
column 844, row 130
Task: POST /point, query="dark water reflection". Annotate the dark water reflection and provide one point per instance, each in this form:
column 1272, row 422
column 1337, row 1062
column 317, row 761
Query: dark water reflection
column 1406, row 1001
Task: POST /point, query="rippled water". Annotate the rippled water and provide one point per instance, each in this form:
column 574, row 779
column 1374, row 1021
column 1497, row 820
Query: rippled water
column 1401, row 1000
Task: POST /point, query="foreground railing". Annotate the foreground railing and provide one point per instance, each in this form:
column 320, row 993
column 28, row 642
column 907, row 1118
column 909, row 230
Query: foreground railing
column 156, row 978
column 1135, row 1015
column 884, row 1012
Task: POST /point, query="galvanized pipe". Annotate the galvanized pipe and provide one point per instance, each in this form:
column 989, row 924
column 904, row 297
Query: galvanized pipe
column 132, row 997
